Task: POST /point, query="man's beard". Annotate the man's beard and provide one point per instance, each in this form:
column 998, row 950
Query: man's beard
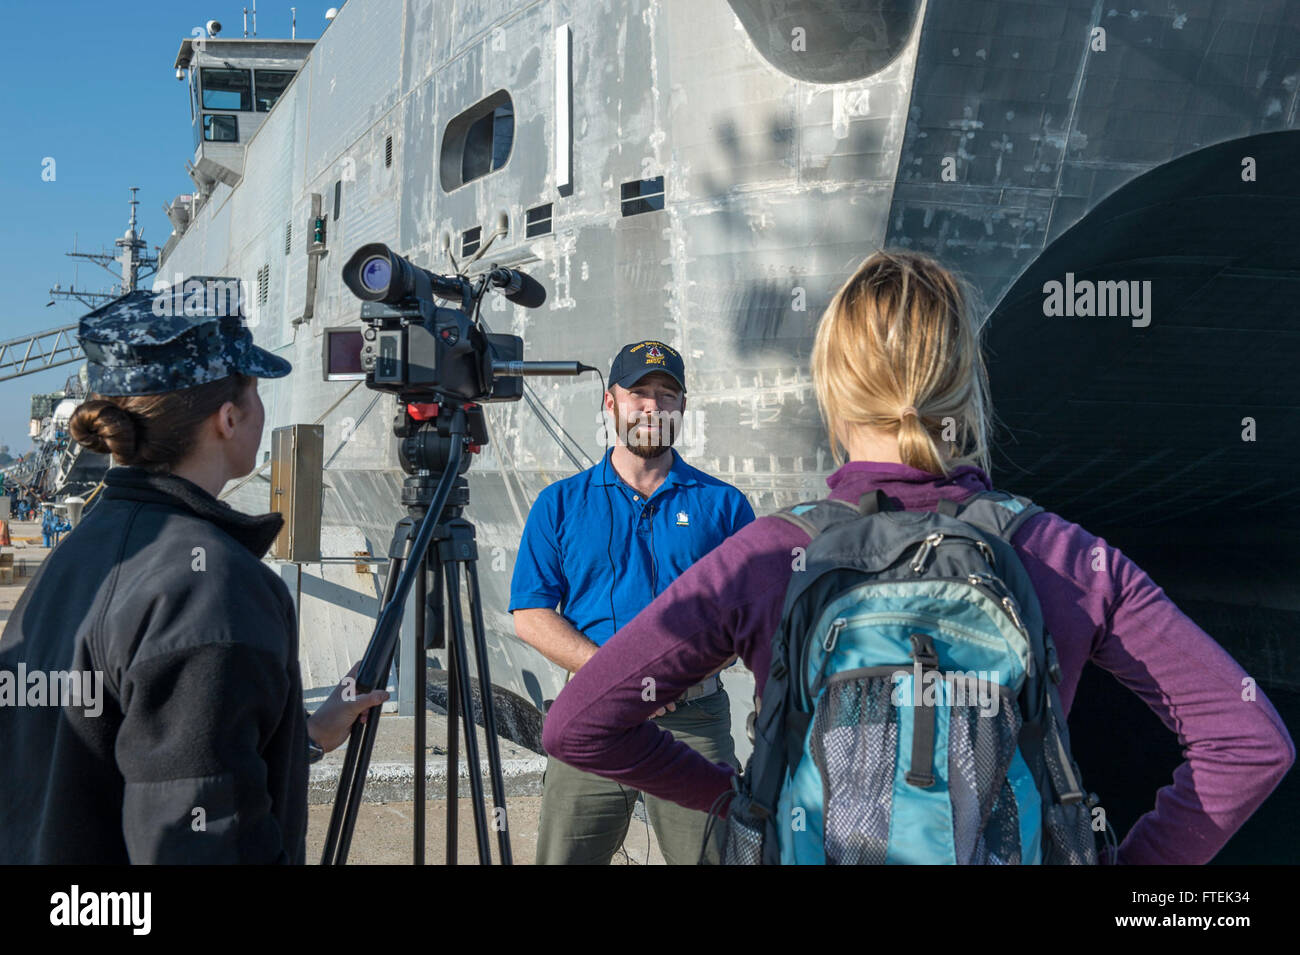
column 644, row 443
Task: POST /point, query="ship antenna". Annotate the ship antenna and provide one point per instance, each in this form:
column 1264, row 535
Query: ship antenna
column 133, row 203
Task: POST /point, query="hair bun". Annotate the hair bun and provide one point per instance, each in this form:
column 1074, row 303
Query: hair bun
column 105, row 428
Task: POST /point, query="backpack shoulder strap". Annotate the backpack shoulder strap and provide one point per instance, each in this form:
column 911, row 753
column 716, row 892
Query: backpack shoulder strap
column 813, row 517
column 999, row 513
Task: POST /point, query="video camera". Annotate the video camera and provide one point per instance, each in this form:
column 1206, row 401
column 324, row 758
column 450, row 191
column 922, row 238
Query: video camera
column 420, row 351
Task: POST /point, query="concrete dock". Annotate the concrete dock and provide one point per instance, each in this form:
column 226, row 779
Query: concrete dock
column 28, row 554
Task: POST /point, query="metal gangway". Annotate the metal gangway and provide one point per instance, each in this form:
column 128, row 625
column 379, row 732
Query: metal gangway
column 30, row 354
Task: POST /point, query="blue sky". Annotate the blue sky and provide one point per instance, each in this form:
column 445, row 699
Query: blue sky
column 91, row 85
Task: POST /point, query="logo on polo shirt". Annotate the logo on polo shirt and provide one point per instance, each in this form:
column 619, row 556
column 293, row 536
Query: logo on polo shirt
column 682, row 519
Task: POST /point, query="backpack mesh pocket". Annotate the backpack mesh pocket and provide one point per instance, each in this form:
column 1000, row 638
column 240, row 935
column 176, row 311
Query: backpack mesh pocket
column 999, row 843
column 743, row 844
column 854, row 742
column 980, row 749
column 1070, row 839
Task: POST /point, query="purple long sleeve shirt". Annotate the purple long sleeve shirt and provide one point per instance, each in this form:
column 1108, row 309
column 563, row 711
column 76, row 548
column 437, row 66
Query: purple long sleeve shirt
column 1098, row 605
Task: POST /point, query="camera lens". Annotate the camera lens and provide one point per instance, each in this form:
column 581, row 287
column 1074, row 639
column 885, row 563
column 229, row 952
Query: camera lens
column 376, row 273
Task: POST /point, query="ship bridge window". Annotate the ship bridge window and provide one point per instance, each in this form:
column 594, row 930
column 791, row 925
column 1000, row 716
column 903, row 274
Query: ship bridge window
column 220, row 128
column 478, row 141
column 226, row 89
column 270, row 84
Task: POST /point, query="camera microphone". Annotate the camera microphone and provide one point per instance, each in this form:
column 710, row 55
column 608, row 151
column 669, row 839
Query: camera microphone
column 519, row 287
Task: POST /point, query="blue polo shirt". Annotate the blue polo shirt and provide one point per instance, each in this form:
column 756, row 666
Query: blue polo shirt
column 592, row 537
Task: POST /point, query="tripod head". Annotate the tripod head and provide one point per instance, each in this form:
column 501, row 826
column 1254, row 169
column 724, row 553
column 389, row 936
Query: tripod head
column 425, row 451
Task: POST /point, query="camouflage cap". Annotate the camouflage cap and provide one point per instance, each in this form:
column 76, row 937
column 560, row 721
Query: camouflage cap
column 148, row 343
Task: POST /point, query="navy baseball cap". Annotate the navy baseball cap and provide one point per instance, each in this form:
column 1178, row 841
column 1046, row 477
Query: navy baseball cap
column 149, row 343
column 634, row 362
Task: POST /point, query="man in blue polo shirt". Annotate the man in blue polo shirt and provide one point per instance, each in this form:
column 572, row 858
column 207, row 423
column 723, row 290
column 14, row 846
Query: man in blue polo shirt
column 600, row 546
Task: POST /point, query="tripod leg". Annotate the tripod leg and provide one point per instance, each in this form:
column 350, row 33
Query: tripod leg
column 489, row 715
column 343, row 798
column 453, row 730
column 366, row 747
column 421, row 594
column 461, row 674
column 438, row 641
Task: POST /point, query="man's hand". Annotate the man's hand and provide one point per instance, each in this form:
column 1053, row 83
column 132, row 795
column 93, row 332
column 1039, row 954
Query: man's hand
column 330, row 725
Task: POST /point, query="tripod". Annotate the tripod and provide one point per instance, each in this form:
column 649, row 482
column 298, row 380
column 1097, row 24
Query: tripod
column 438, row 442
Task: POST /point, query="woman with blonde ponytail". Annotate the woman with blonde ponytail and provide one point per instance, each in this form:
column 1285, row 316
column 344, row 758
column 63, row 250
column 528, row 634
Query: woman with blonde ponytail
column 897, row 367
column 901, row 383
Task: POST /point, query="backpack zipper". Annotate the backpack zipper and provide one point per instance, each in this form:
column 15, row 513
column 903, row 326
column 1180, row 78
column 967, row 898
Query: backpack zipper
column 1003, row 598
column 923, row 553
column 829, row 642
column 838, row 625
column 933, row 540
column 833, row 633
column 828, row 645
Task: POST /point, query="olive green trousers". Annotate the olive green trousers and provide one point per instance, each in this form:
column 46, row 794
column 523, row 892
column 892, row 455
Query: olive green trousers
column 585, row 817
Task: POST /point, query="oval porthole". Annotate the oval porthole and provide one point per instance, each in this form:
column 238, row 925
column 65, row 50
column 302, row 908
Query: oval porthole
column 477, row 142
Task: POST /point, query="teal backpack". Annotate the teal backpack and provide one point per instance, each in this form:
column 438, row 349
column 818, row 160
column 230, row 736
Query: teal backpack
column 911, row 714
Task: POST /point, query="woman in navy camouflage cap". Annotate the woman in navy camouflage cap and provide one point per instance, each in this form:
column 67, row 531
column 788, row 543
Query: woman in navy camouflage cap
column 185, row 739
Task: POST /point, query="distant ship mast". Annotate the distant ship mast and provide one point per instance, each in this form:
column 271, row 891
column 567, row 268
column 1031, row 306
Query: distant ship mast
column 132, row 259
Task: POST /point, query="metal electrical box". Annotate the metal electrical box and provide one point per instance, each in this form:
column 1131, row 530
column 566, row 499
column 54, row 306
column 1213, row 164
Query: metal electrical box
column 297, row 463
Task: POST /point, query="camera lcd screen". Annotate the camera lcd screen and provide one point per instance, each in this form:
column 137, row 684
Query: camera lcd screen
column 343, row 355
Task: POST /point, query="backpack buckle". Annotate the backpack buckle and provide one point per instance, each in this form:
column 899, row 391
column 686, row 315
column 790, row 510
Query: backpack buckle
column 923, row 651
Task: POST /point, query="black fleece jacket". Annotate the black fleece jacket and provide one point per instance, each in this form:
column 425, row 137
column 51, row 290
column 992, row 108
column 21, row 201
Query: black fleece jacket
column 198, row 751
